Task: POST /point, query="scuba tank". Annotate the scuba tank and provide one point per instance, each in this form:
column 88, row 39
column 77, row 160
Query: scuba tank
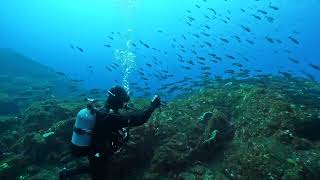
column 83, row 127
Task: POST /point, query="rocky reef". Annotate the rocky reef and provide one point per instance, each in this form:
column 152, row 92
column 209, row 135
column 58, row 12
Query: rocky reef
column 230, row 130
column 24, row 81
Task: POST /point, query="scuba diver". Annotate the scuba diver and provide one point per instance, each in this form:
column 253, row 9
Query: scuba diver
column 98, row 134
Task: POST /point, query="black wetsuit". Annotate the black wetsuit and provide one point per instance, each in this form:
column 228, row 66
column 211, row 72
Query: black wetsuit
column 100, row 151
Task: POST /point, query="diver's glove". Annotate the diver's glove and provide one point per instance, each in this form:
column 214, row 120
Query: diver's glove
column 155, row 102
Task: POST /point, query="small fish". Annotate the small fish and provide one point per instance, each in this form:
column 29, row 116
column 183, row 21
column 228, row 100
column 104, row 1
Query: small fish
column 263, row 12
column 214, row 61
column 191, row 18
column 196, row 35
column 237, row 64
column 257, row 17
column 212, row 55
column 294, row 40
column 286, row 74
column 141, row 73
column 316, row 67
column 207, row 43
column 224, row 40
column 155, row 49
column 80, row 49
column 133, row 44
column 190, row 62
column 197, row 5
column 206, row 16
column 246, row 28
column 270, row 19
column 201, row 58
column 273, row 7
column 61, row 73
column 230, row 57
column 250, row 42
column 144, row 44
column 186, row 67
column 206, row 26
column 72, row 47
column 278, row 41
column 108, row 68
column 206, row 34
column 115, row 64
column 111, row 38
column 245, row 70
column 270, row 39
column 224, row 21
column 77, row 80
column 205, row 68
column 211, row 9
column 202, row 63
column 246, row 59
column 238, row 38
column 294, row 60
column 219, row 58
column 107, row 45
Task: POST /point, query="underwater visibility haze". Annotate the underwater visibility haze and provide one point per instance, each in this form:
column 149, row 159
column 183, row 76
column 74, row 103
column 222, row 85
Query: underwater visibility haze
column 239, row 80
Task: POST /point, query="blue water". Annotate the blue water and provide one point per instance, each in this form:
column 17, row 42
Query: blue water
column 44, row 31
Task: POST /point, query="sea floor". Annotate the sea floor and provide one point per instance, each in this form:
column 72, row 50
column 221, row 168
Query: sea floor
column 259, row 128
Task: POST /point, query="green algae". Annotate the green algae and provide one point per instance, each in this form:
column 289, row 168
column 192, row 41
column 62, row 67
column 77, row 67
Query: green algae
column 251, row 132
